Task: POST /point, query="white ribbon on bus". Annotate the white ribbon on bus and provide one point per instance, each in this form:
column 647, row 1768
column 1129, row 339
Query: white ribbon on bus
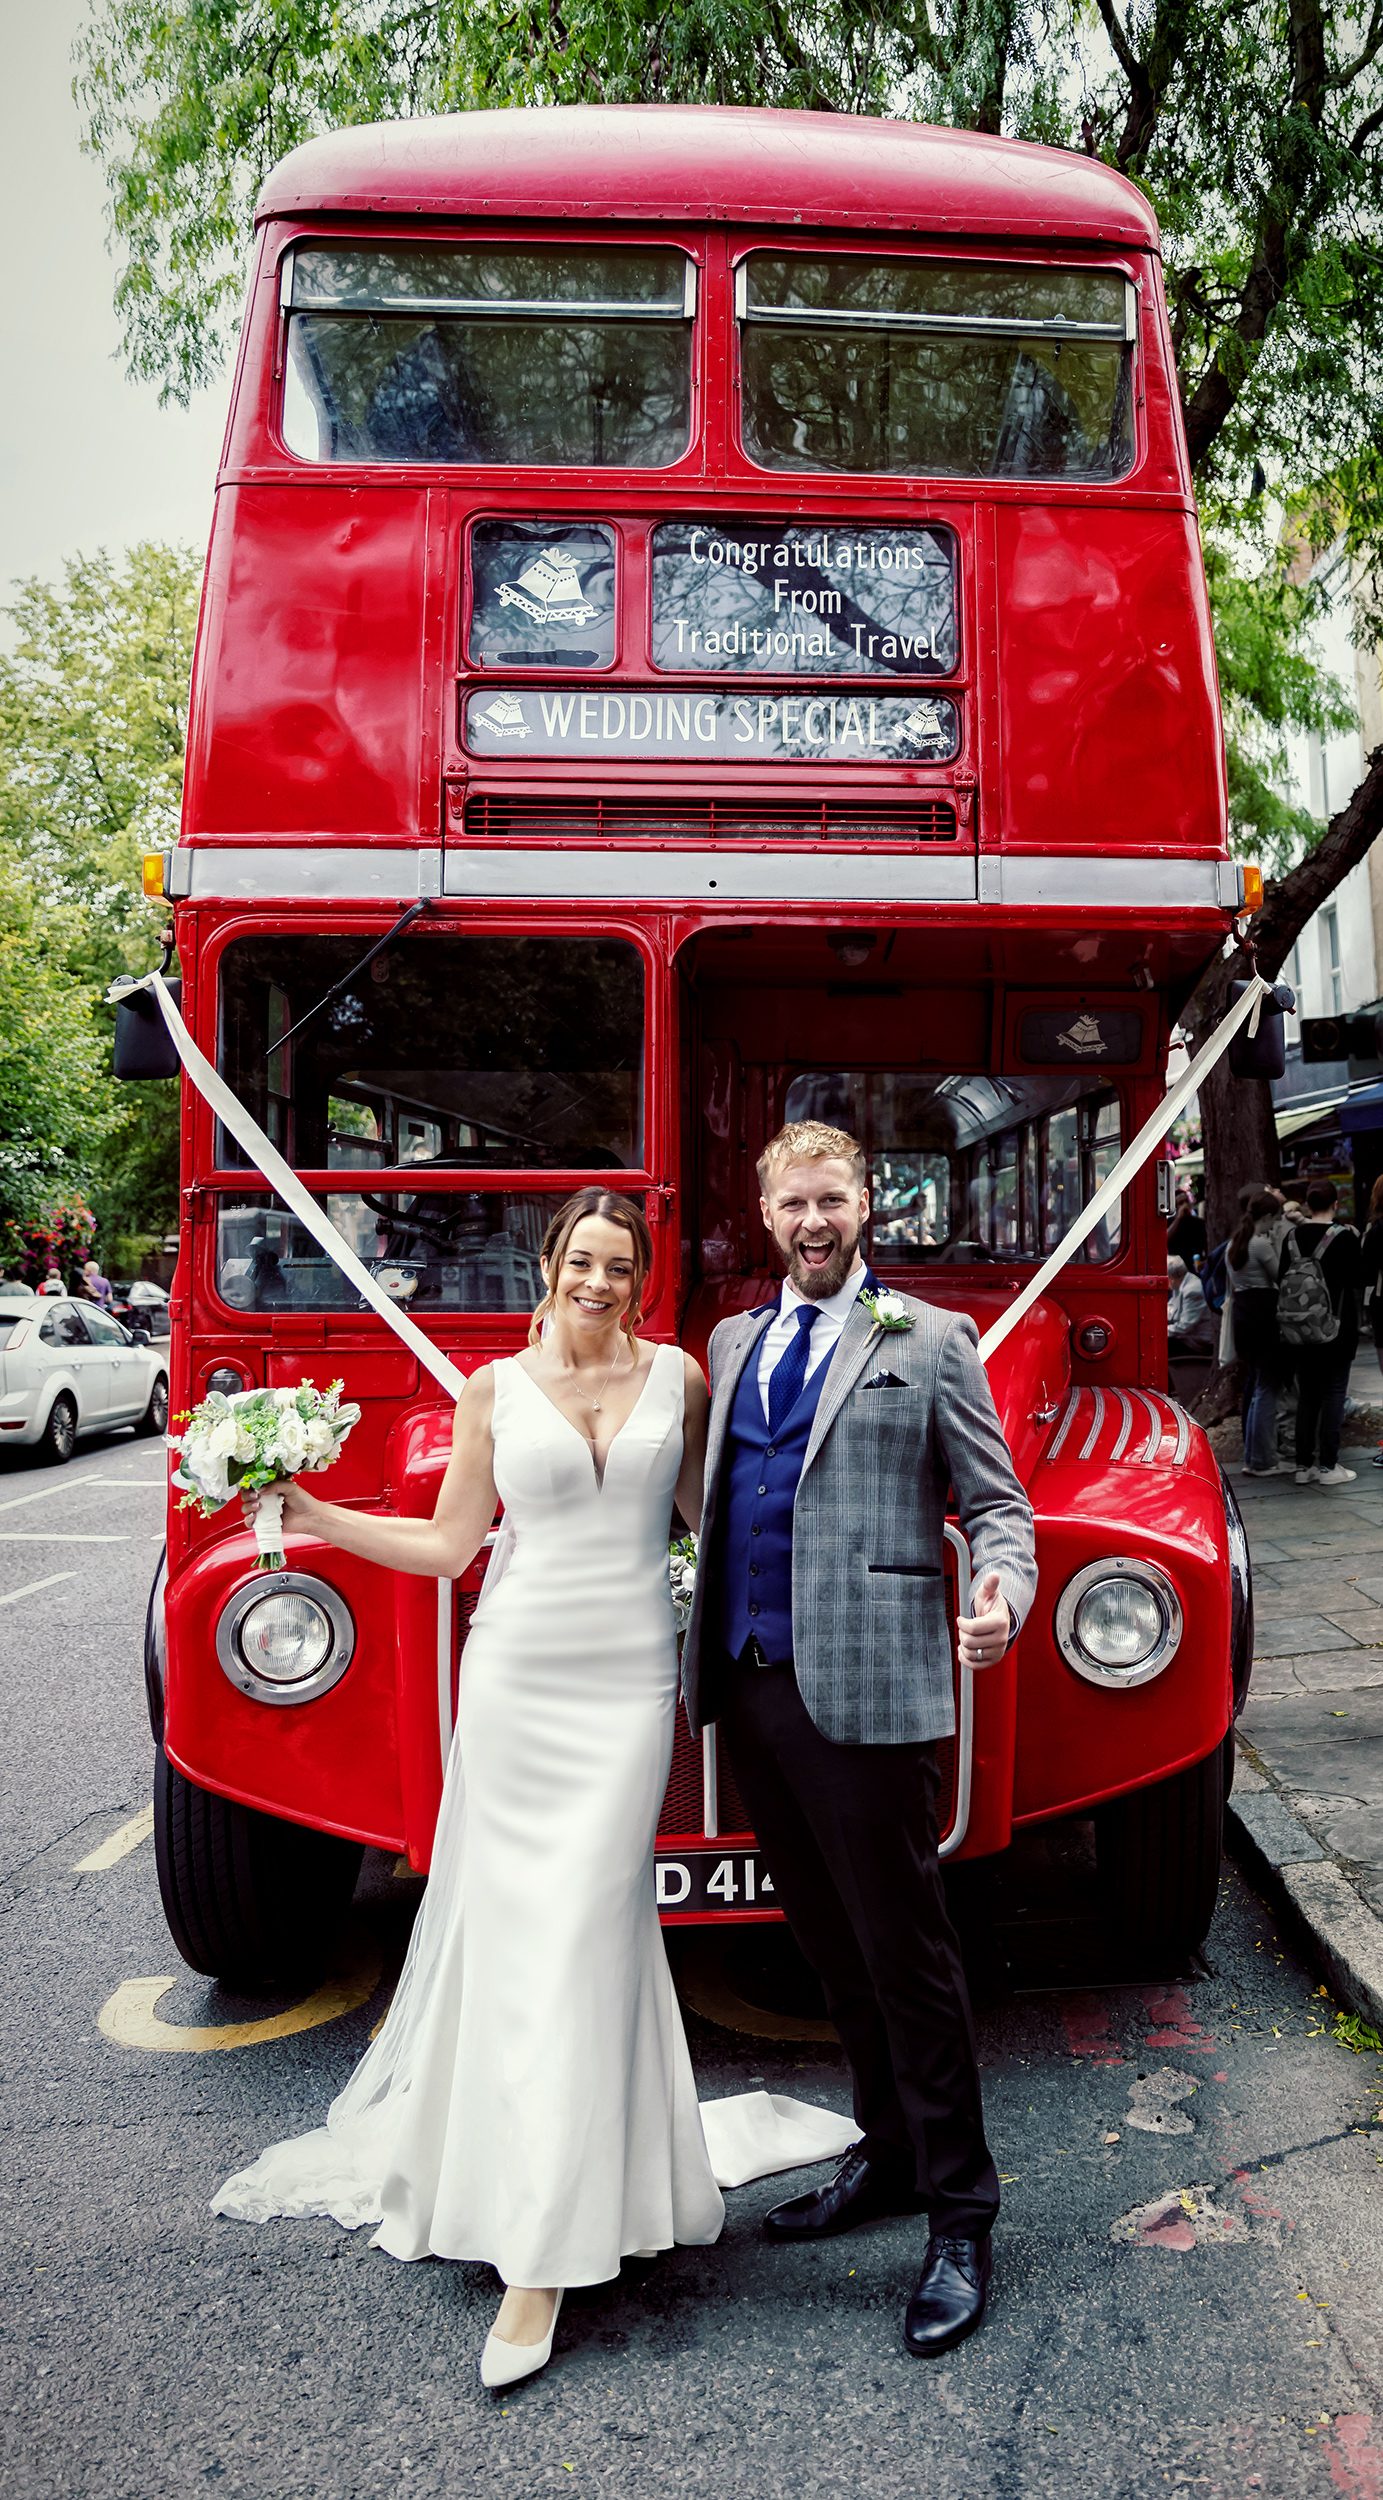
column 281, row 1177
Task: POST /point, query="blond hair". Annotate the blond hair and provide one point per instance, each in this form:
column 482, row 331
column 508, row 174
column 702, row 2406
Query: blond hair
column 557, row 1240
column 811, row 1141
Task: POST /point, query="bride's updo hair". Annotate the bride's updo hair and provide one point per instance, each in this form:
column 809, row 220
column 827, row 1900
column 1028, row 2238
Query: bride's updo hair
column 556, row 1240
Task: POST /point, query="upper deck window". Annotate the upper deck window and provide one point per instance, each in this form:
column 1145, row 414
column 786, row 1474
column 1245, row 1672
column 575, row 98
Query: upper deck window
column 937, row 368
column 517, row 354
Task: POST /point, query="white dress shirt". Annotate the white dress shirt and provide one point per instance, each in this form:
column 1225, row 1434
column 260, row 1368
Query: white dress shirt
column 831, row 1316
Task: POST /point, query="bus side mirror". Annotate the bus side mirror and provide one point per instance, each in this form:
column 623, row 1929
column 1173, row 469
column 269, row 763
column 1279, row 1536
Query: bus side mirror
column 1263, row 1053
column 143, row 1044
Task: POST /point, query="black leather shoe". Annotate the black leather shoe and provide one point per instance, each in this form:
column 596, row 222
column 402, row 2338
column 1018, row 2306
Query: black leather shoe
column 861, row 2191
column 948, row 2303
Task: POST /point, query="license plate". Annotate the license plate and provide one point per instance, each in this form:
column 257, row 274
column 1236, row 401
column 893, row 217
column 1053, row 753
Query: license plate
column 712, row 1880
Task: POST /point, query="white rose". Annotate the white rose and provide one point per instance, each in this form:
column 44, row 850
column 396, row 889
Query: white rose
column 321, row 1442
column 290, row 1444
column 221, row 1442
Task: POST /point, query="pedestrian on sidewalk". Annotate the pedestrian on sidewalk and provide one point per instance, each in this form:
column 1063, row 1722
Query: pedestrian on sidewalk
column 1186, row 1234
column 1318, row 1282
column 1371, row 1272
column 1252, row 1261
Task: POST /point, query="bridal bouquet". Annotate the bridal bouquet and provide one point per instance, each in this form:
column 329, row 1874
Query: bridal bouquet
column 253, row 1442
column 681, row 1572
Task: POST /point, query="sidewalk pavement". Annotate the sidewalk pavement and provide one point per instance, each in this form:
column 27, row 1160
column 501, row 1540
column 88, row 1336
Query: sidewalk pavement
column 1307, row 1809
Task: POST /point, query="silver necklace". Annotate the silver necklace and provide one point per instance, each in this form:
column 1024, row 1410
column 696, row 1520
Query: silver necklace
column 595, row 1403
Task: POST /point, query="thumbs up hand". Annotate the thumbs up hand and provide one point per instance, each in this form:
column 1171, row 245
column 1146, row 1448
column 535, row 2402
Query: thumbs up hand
column 983, row 1634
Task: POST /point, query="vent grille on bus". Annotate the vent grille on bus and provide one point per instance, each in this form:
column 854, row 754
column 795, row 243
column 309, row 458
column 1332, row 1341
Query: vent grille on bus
column 495, row 818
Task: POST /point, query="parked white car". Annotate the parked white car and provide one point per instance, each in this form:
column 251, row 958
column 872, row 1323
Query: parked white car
column 67, row 1368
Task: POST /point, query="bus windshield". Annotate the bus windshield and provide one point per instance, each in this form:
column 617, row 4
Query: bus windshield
column 503, row 1053
column 949, row 368
column 522, row 354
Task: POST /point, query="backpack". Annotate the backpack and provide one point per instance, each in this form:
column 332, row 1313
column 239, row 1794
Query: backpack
column 1215, row 1277
column 1305, row 1313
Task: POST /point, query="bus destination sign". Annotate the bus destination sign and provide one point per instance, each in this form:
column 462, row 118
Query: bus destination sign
column 828, row 600
column 665, row 725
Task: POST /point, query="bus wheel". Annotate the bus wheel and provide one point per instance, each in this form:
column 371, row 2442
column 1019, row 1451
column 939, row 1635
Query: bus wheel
column 1158, row 1855
column 248, row 1899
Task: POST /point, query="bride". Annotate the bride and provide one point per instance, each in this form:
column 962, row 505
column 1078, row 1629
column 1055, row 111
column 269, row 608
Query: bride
column 529, row 2100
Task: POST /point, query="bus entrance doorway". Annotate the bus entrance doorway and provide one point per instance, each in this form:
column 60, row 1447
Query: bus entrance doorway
column 898, row 1036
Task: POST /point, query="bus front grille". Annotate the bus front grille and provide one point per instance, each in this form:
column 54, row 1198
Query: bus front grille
column 496, row 817
column 683, row 1818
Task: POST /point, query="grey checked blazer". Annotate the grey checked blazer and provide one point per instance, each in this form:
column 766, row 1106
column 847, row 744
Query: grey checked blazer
column 902, row 1415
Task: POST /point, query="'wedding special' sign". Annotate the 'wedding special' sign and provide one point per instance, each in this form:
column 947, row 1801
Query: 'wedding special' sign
column 825, row 600
column 669, row 725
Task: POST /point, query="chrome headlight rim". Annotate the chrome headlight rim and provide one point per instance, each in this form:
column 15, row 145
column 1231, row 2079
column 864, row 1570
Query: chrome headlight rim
column 1148, row 1575
column 235, row 1666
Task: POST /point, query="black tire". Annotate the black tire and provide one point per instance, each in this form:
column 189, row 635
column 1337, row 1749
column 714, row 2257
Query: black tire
column 248, row 1899
column 58, row 1439
column 155, row 1416
column 1158, row 1853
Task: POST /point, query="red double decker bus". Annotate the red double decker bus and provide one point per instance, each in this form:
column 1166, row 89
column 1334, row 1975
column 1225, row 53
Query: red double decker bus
column 703, row 626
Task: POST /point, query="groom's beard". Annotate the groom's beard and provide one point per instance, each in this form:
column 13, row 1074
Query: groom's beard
column 817, row 1284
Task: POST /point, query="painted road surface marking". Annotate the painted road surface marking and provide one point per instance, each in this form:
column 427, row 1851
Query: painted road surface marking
column 130, row 2017
column 119, row 1844
column 57, row 1536
column 33, row 1587
column 70, row 1484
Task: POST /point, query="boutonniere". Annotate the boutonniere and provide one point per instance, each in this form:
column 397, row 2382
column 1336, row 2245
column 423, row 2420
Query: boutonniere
column 887, row 1310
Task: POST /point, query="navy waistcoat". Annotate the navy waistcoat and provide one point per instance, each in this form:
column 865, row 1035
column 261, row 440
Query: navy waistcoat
column 761, row 1487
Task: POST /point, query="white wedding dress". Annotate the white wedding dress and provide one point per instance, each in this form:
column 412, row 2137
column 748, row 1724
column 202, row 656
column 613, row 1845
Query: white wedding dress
column 529, row 2100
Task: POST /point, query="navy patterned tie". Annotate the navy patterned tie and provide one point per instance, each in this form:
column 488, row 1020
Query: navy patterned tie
column 789, row 1372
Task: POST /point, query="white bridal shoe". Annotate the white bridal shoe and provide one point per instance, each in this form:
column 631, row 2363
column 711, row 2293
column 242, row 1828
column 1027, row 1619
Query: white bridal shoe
column 501, row 2363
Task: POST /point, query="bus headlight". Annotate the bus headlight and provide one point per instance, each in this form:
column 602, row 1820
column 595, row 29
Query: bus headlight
column 1118, row 1622
column 285, row 1637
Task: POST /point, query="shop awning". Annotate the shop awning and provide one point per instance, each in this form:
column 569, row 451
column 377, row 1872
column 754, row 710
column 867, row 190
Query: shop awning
column 1362, row 1110
column 1290, row 1121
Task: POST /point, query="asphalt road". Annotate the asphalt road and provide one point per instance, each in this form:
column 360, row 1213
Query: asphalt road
column 1189, row 2292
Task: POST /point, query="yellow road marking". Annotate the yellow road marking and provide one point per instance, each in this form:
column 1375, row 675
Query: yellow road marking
column 130, row 2017
column 119, row 1844
column 32, row 1587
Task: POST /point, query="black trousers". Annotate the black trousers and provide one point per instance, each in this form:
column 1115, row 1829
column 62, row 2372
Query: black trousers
column 1322, row 1387
column 849, row 1832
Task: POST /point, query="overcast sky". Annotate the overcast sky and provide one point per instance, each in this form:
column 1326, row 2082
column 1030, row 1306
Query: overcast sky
column 87, row 459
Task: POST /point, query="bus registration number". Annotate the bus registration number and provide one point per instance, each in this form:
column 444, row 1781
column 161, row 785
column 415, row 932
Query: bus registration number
column 708, row 1881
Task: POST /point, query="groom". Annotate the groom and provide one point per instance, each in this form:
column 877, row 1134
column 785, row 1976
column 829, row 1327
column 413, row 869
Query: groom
column 818, row 1637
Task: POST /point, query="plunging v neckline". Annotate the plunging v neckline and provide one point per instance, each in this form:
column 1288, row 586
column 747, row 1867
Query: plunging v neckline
column 597, row 1470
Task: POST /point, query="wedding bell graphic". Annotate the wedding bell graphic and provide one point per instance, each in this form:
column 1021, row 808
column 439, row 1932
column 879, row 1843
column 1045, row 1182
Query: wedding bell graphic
column 549, row 590
column 1084, row 1038
column 924, row 725
column 504, row 718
